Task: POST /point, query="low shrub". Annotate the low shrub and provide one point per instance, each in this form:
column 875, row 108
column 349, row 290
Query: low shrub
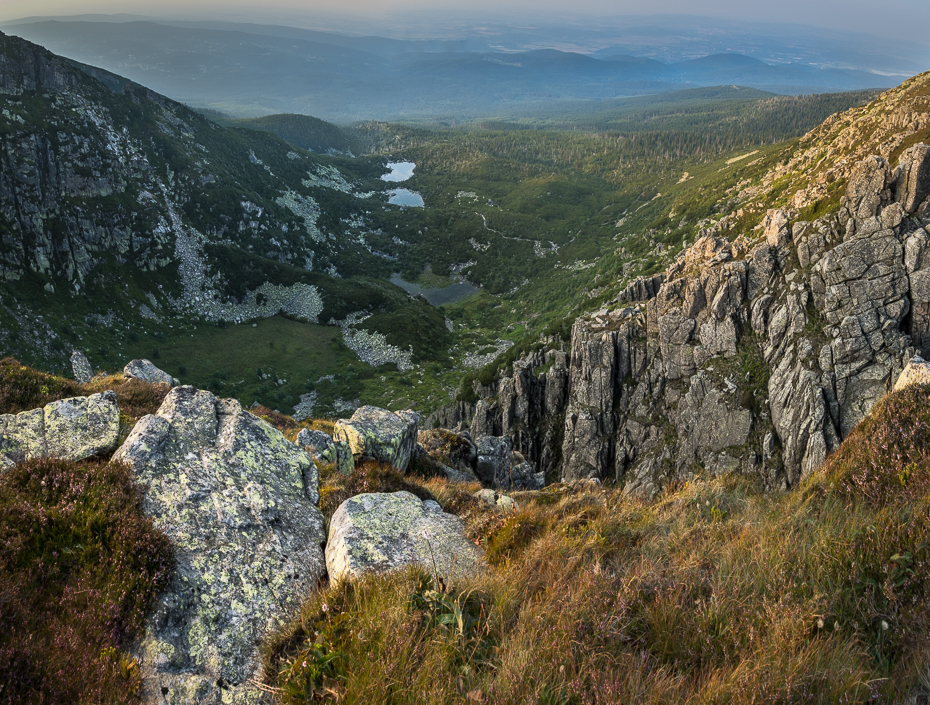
column 23, row 388
column 79, row 568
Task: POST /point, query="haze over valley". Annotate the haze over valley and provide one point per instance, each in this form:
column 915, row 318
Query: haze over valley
column 487, row 70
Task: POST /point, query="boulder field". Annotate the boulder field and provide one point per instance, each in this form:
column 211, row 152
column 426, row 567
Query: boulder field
column 240, row 505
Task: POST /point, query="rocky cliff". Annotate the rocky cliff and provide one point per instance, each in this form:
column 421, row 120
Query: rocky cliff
column 752, row 355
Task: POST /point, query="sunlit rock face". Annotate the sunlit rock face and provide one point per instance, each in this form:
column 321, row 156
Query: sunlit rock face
column 756, row 356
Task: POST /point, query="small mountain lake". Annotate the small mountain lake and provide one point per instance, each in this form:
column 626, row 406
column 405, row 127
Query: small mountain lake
column 405, row 197
column 400, row 171
column 451, row 294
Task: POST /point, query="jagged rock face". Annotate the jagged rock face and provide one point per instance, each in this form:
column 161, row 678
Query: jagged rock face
column 70, row 429
column 912, row 178
column 388, row 436
column 238, row 502
column 324, row 449
column 494, row 460
column 380, row 532
column 522, row 476
column 757, row 359
column 147, row 372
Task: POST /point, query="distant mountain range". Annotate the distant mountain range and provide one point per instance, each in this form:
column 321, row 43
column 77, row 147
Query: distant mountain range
column 251, row 70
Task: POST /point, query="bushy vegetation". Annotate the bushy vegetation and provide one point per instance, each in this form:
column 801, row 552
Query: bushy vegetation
column 23, row 388
column 79, row 569
column 714, row 593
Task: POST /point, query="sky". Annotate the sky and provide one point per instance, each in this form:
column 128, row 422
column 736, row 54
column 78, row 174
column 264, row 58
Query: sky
column 907, row 19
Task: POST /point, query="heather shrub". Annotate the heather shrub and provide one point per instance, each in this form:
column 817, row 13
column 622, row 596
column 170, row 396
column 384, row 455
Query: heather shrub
column 885, row 460
column 79, row 568
column 134, row 397
column 23, row 388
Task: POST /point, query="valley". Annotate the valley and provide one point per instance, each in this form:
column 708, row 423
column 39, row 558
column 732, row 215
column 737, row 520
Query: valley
column 509, row 211
column 574, row 399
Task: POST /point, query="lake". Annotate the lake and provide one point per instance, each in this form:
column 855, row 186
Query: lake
column 400, row 171
column 405, row 197
column 437, row 297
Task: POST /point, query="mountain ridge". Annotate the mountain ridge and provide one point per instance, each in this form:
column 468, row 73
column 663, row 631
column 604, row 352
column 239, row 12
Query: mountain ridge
column 341, row 81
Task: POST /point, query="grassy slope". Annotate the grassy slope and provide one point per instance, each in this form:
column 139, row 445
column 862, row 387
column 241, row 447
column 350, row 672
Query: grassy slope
column 715, row 593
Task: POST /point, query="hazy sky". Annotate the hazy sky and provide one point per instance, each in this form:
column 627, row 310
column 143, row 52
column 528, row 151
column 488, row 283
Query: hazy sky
column 907, row 19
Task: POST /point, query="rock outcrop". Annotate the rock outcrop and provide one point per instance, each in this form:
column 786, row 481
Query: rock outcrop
column 752, row 356
column 147, row 372
column 387, row 436
column 81, row 368
column 324, row 449
column 380, row 532
column 917, row 371
column 70, row 429
column 239, row 503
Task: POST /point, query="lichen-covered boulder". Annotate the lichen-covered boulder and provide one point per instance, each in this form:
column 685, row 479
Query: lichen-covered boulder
column 71, row 429
column 456, row 450
column 81, row 367
column 147, row 372
column 324, row 449
column 917, row 371
column 238, row 501
column 380, row 532
column 390, row 437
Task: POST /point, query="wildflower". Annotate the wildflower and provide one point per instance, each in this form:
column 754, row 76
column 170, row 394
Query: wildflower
column 820, row 623
column 325, row 608
column 884, row 626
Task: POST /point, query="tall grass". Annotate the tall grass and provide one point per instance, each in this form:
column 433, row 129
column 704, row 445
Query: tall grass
column 716, row 593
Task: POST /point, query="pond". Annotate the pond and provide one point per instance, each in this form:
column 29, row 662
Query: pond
column 400, row 171
column 405, row 197
column 437, row 297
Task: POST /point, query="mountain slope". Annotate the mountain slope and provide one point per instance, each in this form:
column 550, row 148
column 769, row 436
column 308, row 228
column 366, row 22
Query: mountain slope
column 125, row 214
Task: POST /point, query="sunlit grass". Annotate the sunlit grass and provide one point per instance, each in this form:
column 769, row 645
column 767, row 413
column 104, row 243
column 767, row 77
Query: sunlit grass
column 716, row 593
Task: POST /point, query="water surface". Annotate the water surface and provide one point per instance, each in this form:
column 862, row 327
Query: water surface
column 405, row 197
column 400, row 171
column 438, row 296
